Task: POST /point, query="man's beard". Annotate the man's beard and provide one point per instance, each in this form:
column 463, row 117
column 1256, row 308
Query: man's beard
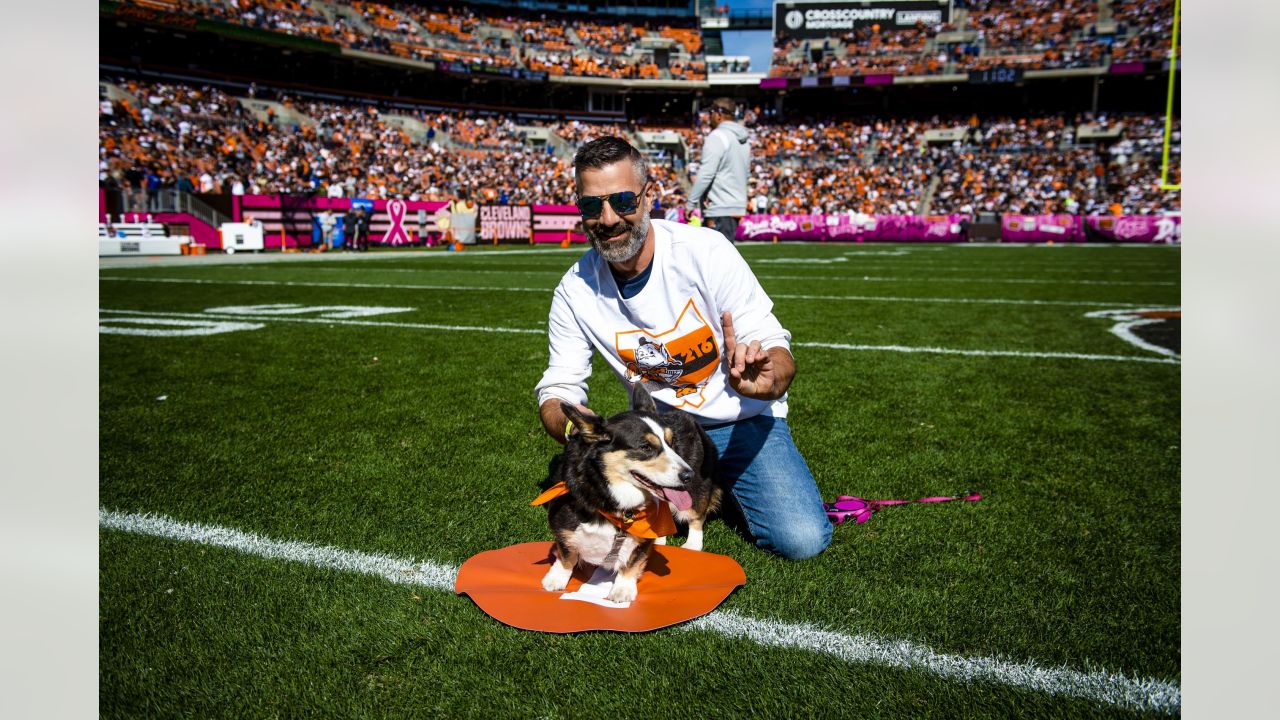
column 619, row 251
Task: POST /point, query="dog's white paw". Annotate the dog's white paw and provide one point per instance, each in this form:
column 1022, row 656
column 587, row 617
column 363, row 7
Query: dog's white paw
column 662, row 540
column 556, row 578
column 695, row 540
column 624, row 590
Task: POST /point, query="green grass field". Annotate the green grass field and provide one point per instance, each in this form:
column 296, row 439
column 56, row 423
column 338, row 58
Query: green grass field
column 413, row 434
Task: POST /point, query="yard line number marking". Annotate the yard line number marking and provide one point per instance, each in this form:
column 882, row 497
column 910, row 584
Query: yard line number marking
column 169, row 327
column 186, row 325
column 320, row 321
column 1100, row 686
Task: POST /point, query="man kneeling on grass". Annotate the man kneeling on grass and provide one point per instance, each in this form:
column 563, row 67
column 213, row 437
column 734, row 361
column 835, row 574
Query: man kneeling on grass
column 677, row 308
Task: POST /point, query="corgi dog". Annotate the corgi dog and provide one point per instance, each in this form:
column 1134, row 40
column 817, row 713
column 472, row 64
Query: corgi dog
column 619, row 483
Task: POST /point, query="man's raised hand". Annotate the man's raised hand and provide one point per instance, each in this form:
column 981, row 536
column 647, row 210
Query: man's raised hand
column 750, row 367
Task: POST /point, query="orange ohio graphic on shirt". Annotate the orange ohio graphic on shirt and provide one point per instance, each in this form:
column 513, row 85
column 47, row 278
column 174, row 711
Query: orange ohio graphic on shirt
column 682, row 357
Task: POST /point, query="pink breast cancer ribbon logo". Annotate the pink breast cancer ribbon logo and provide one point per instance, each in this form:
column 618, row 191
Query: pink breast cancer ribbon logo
column 396, row 235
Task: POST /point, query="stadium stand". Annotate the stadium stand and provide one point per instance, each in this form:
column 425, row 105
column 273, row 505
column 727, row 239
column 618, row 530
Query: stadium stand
column 984, row 34
column 159, row 136
column 469, row 34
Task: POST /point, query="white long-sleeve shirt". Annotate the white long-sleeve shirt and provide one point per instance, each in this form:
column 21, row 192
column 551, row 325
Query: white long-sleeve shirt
column 669, row 335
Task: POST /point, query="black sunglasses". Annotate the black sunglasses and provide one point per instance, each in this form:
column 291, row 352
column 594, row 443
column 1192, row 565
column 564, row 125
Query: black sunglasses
column 624, row 203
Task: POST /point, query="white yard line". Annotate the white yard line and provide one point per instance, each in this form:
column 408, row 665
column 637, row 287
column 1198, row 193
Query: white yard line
column 548, row 291
column 1005, row 281
column 993, row 353
column 1099, row 686
column 960, row 301
column 558, row 270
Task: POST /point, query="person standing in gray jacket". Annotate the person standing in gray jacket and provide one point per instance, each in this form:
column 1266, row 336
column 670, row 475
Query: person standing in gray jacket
column 721, row 184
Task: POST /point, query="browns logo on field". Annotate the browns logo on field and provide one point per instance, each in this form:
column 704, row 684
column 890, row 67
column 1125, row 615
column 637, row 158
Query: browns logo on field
column 1157, row 330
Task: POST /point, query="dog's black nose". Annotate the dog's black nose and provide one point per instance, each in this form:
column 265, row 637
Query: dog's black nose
column 685, row 476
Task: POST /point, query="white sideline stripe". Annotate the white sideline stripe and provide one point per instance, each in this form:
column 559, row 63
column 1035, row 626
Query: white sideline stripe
column 994, row 353
column 540, row 331
column 254, row 259
column 549, row 290
column 560, row 270
column 1105, row 687
column 963, row 301
column 328, row 321
column 437, row 576
column 1010, row 281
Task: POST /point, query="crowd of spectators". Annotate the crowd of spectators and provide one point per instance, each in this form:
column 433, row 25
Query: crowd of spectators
column 863, row 50
column 462, row 33
column 577, row 132
column 610, row 39
column 199, row 139
column 174, row 137
column 895, row 188
column 570, row 63
column 1037, row 24
column 1150, row 28
column 492, row 133
column 1028, row 34
column 1013, row 182
column 292, row 17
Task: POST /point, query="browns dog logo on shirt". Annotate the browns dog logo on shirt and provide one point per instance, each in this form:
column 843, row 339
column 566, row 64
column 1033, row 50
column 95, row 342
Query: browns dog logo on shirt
column 682, row 357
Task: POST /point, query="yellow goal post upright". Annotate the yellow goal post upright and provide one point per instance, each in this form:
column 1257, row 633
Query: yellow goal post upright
column 1168, row 109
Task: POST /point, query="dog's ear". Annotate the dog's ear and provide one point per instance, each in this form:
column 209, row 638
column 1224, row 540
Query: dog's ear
column 590, row 426
column 641, row 399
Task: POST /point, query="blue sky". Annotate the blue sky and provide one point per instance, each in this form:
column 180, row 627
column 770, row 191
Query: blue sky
column 756, row 43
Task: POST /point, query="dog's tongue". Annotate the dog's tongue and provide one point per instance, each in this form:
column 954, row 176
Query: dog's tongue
column 679, row 498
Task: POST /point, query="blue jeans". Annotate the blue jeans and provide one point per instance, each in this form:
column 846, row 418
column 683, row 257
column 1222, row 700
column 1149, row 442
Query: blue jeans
column 770, row 488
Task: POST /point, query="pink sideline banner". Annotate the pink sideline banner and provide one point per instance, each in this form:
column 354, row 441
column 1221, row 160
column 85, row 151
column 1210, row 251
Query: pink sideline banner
column 782, row 227
column 1093, row 228
column 416, row 219
column 505, row 223
column 1137, row 228
column 201, row 232
column 1041, row 228
column 552, row 222
column 852, row 227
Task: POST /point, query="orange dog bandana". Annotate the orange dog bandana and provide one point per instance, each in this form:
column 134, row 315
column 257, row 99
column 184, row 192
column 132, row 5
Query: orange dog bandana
column 652, row 521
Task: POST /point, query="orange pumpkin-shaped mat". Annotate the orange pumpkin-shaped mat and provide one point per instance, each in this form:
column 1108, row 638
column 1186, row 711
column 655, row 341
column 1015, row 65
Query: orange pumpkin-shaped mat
column 677, row 585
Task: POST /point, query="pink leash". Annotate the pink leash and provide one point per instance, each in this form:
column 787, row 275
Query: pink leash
column 848, row 507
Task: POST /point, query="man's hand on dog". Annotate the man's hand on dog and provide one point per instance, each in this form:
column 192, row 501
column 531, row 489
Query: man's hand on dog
column 754, row 371
column 553, row 419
